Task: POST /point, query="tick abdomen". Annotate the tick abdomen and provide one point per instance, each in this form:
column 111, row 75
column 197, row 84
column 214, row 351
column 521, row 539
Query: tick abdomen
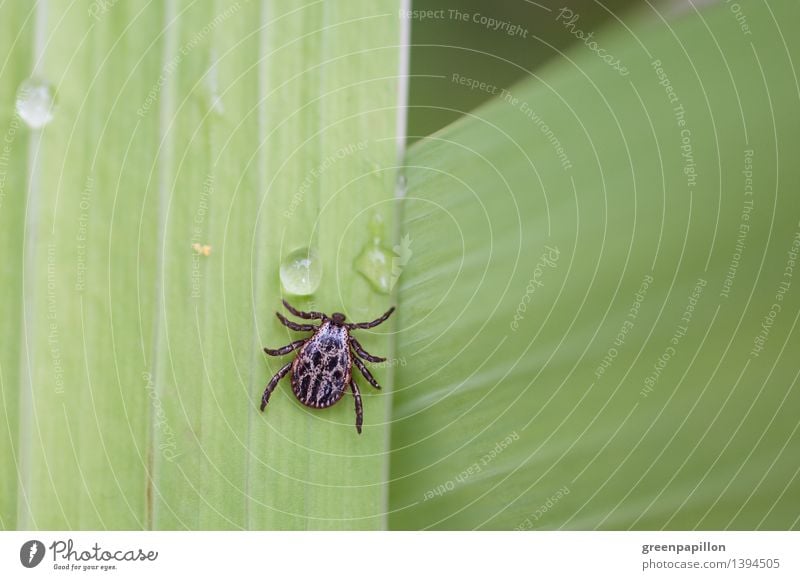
column 321, row 371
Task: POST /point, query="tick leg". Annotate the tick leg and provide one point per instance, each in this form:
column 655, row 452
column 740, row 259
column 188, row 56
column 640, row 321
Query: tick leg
column 359, row 407
column 293, row 325
column 362, row 353
column 366, row 373
column 274, row 381
column 375, row 322
column 301, row 314
column 286, row 349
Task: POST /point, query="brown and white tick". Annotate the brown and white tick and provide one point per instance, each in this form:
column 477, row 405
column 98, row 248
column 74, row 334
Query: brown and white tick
column 323, row 368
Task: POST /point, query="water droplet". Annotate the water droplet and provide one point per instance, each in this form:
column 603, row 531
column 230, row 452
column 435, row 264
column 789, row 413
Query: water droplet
column 212, row 85
column 301, row 272
column 401, row 187
column 375, row 264
column 377, row 229
column 35, row 103
column 375, row 260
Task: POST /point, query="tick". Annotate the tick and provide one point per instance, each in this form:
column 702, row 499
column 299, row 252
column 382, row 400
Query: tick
column 323, row 369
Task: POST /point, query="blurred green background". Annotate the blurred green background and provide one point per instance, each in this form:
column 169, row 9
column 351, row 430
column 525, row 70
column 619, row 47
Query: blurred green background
column 444, row 44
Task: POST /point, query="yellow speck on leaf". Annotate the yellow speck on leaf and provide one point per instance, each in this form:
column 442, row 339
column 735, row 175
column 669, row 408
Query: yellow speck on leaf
column 205, row 250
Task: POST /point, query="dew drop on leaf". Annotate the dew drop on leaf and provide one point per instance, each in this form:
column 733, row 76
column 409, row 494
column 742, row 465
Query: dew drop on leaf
column 375, row 260
column 35, row 103
column 212, row 86
column 401, row 185
column 301, row 272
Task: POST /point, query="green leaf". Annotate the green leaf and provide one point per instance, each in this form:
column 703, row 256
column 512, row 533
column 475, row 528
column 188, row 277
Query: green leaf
column 250, row 129
column 295, row 160
column 88, row 275
column 581, row 315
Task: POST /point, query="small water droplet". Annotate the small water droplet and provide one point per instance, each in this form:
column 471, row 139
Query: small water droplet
column 375, row 260
column 212, row 85
column 401, row 186
column 376, row 226
column 301, row 272
column 35, row 103
column 375, row 264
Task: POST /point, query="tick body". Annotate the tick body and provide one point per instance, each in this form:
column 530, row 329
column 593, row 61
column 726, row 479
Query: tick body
column 323, row 367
